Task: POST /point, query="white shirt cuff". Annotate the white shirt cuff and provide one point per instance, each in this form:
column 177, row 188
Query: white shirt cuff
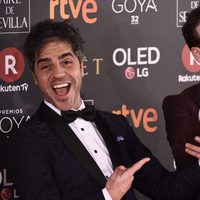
column 106, row 194
column 199, row 115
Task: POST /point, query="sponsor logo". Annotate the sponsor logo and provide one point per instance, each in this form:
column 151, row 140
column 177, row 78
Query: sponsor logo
column 182, row 7
column 7, row 191
column 130, row 73
column 69, row 9
column 191, row 65
column 189, row 61
column 145, row 118
column 136, row 61
column 11, row 65
column 14, row 16
column 95, row 66
column 14, row 88
column 11, row 119
column 188, row 78
column 133, row 7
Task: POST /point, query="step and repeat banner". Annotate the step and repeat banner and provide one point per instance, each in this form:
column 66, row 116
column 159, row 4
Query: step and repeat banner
column 135, row 56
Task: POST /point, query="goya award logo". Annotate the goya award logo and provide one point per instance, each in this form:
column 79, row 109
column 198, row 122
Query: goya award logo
column 11, row 64
column 133, row 7
column 14, row 16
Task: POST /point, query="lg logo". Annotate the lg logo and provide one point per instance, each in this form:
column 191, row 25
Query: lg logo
column 136, row 59
column 11, row 64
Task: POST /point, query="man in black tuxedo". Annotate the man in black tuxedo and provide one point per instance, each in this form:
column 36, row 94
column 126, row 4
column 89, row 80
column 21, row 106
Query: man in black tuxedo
column 181, row 111
column 70, row 151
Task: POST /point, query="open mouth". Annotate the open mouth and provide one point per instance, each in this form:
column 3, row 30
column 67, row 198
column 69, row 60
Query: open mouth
column 61, row 89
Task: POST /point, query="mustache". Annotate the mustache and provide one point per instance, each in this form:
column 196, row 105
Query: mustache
column 61, row 80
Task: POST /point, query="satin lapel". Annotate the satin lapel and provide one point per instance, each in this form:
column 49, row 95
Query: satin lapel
column 110, row 141
column 69, row 138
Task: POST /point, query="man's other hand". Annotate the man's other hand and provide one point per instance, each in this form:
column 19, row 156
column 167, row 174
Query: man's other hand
column 192, row 149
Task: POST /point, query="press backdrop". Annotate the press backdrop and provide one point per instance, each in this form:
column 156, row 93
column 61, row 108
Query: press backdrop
column 135, row 56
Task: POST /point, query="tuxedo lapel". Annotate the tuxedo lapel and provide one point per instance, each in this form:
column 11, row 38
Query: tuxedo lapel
column 110, row 140
column 65, row 133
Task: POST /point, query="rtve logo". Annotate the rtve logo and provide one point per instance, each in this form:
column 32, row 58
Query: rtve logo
column 188, row 60
column 11, row 64
column 146, row 118
column 70, row 9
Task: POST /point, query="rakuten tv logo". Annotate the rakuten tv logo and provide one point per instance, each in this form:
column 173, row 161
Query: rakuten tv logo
column 191, row 65
column 189, row 61
column 12, row 64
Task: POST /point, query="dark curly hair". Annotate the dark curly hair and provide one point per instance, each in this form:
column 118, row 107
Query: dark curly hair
column 190, row 34
column 48, row 31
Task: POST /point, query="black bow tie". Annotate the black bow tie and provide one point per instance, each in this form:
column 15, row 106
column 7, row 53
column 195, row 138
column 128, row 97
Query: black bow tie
column 87, row 113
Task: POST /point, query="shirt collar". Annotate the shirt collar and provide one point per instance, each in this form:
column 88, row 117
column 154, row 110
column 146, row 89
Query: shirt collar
column 82, row 106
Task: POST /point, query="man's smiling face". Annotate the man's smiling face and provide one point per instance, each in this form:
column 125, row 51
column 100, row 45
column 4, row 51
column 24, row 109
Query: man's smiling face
column 58, row 74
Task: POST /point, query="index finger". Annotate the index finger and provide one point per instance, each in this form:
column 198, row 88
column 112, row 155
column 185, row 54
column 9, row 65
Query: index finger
column 192, row 147
column 137, row 166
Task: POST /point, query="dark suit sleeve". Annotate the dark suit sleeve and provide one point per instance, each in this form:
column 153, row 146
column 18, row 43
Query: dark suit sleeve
column 31, row 170
column 182, row 125
column 154, row 180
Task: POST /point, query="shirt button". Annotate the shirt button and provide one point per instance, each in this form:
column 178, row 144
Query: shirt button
column 95, row 151
column 82, row 129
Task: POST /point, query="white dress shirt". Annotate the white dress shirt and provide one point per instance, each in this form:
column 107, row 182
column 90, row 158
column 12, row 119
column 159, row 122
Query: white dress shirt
column 92, row 140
